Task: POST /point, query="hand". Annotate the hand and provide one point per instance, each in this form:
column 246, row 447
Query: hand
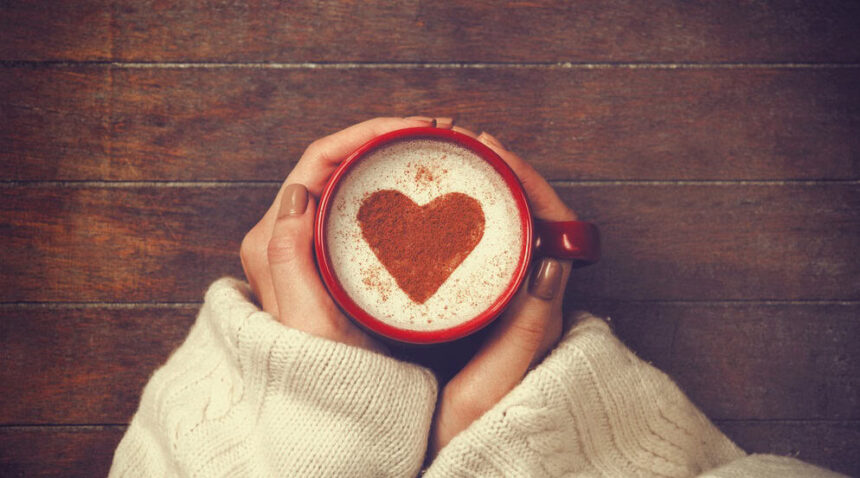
column 277, row 253
column 526, row 331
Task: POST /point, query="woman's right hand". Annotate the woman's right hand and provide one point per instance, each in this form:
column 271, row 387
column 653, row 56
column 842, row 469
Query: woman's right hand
column 277, row 253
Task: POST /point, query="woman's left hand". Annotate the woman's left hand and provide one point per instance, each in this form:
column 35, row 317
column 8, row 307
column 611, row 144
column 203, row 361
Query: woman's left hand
column 526, row 331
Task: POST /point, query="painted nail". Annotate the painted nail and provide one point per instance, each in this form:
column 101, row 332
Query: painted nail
column 490, row 140
column 465, row 131
column 295, row 200
column 445, row 123
column 425, row 119
column 546, row 279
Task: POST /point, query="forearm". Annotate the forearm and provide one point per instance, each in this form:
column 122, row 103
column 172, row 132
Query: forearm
column 590, row 407
column 246, row 395
column 594, row 408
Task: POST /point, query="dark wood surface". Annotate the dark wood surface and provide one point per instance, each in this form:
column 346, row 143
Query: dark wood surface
column 84, row 364
column 61, row 451
column 715, row 144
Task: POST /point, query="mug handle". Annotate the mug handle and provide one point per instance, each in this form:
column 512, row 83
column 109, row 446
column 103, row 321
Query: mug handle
column 578, row 241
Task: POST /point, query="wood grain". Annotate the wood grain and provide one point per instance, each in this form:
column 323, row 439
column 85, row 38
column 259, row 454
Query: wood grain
column 58, row 451
column 102, row 123
column 722, row 242
column 482, row 31
column 83, row 364
column 53, row 121
column 669, row 242
column 750, row 360
column 88, row 365
column 45, row 30
column 81, row 244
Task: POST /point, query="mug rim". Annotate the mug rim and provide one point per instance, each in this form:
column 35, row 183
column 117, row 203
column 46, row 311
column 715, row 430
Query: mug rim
column 367, row 320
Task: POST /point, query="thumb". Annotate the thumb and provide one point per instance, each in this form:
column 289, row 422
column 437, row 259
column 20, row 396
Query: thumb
column 529, row 326
column 299, row 292
column 522, row 333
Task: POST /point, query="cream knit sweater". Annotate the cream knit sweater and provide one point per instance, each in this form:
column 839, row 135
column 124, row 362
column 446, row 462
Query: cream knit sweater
column 246, row 396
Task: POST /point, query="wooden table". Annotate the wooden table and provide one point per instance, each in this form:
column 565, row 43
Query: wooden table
column 717, row 144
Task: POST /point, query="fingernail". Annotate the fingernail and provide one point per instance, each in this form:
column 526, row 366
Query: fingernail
column 425, row 119
column 546, row 279
column 490, row 140
column 445, row 123
column 465, row 131
column 295, row 200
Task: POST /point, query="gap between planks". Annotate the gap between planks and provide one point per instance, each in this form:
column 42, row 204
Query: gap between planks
column 428, row 65
column 681, row 303
column 98, row 305
column 74, row 427
column 562, row 183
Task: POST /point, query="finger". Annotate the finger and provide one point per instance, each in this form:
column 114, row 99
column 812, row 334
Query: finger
column 444, row 123
column 465, row 131
column 325, row 154
column 542, row 197
column 426, row 119
column 255, row 264
column 299, row 293
column 545, row 284
column 513, row 345
column 531, row 323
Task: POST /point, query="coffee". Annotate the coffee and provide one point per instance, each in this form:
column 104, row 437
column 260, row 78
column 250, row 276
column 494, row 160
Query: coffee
column 423, row 234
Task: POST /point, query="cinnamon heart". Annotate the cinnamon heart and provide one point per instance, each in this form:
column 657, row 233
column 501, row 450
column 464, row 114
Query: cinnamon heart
column 421, row 245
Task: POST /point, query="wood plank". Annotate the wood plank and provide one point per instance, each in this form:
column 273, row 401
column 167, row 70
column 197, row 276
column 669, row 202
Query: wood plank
column 750, row 360
column 53, row 123
column 736, row 361
column 99, row 123
column 661, row 242
column 44, row 30
column 484, row 31
column 81, row 244
column 829, row 444
column 718, row 242
column 83, row 364
column 58, row 451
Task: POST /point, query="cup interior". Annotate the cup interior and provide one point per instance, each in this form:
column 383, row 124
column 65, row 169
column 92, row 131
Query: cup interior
column 367, row 320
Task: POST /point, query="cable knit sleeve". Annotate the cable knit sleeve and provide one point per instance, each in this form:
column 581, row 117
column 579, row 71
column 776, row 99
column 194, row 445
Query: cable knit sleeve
column 592, row 408
column 246, row 396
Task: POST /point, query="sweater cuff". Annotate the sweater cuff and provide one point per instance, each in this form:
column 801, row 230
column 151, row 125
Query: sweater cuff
column 590, row 407
column 246, row 395
column 280, row 359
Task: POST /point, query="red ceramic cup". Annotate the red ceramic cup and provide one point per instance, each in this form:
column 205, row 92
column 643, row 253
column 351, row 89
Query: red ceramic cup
column 572, row 240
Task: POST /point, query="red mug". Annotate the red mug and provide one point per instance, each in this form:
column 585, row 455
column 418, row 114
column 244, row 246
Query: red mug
column 577, row 241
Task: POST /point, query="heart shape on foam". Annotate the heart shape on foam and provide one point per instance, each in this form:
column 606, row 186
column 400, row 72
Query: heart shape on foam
column 421, row 246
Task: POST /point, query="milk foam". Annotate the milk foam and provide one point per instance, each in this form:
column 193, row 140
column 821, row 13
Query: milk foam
column 423, row 170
